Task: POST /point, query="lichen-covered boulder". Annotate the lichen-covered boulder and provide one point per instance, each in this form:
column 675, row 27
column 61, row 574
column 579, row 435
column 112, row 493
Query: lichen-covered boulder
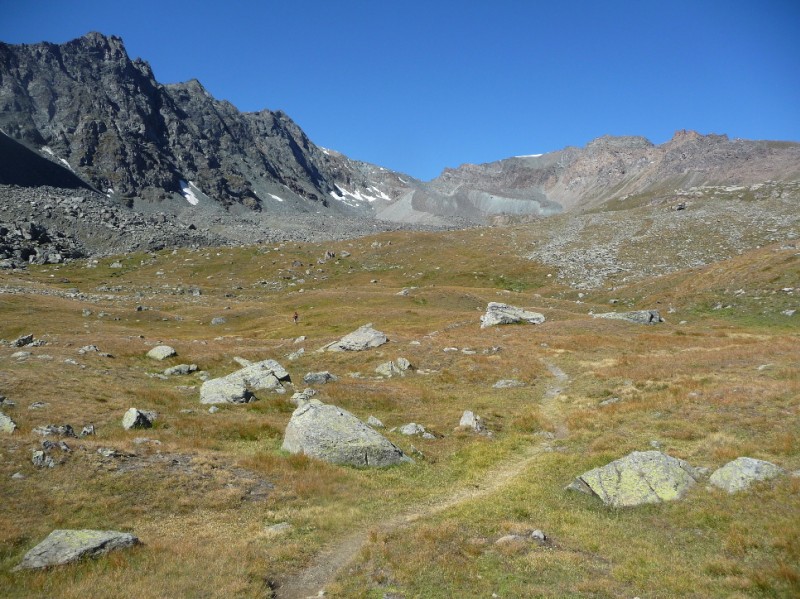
column 362, row 338
column 640, row 477
column 636, row 316
column 739, row 474
column 497, row 313
column 161, row 352
column 334, row 435
column 65, row 546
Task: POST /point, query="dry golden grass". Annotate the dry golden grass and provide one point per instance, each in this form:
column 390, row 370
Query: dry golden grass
column 718, row 387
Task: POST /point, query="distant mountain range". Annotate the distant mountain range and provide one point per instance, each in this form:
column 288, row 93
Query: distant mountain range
column 101, row 119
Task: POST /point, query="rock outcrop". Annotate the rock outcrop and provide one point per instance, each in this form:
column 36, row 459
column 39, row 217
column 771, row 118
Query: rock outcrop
column 329, row 433
column 65, row 546
column 497, row 313
column 639, row 478
column 742, row 472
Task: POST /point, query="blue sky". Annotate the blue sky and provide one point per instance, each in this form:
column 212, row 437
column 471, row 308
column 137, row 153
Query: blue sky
column 417, row 86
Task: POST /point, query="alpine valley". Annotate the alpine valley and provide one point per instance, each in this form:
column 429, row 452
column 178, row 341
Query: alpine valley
column 236, row 364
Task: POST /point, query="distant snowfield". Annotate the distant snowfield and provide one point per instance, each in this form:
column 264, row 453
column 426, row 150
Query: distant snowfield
column 274, row 197
column 188, row 189
column 529, row 156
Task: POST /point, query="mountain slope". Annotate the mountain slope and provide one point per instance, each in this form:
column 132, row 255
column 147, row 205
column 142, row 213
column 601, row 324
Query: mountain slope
column 104, row 114
column 87, row 104
column 607, row 168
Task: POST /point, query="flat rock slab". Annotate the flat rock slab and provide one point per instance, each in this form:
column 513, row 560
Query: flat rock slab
column 497, row 313
column 637, row 316
column 739, row 474
column 332, row 434
column 640, row 477
column 363, row 338
column 65, row 546
column 161, row 352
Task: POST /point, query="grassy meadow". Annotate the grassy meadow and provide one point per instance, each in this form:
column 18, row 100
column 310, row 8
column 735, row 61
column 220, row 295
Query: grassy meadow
column 718, row 380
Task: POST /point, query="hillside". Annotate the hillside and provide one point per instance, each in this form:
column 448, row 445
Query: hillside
column 221, row 510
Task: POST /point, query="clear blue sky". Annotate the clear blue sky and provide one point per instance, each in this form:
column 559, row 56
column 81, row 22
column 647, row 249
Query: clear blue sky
column 420, row 85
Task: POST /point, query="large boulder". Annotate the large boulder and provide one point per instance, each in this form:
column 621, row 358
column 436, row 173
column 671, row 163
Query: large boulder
column 65, row 546
column 739, row 474
column 161, row 352
column 636, row 316
column 638, row 478
column 362, row 338
column 497, row 313
column 238, row 386
column 334, row 435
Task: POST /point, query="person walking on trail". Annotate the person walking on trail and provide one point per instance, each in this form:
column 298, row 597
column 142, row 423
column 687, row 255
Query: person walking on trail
column 296, row 317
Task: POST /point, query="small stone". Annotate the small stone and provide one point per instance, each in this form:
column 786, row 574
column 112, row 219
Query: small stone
column 37, row 405
column 739, row 474
column 508, row 384
column 18, row 476
column 218, row 320
column 374, row 422
column 65, row 430
column 506, row 539
column 180, row 369
column 472, row 422
column 213, row 409
column 319, row 378
column 538, row 535
column 7, row 425
column 610, row 401
column 137, row 419
column 87, row 430
column 412, row 428
column 41, row 460
column 278, row 529
column 22, row 341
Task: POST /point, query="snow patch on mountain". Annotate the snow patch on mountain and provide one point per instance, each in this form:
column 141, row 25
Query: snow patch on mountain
column 188, row 189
